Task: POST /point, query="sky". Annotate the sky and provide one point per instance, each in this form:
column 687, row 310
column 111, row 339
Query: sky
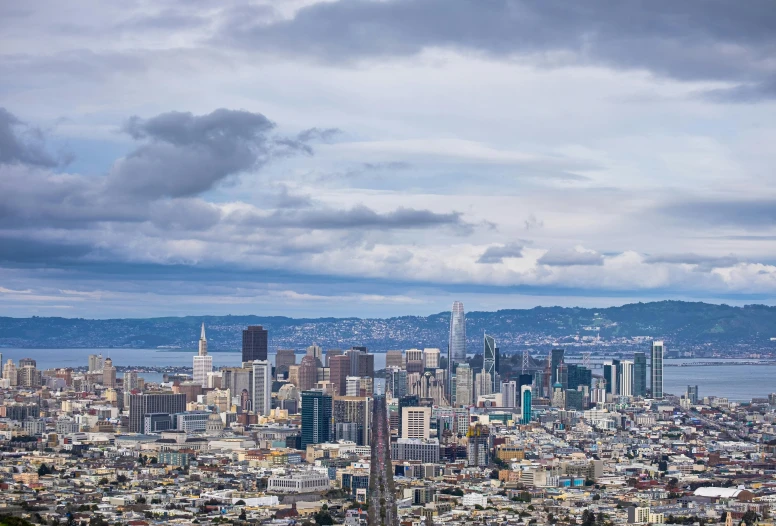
column 380, row 158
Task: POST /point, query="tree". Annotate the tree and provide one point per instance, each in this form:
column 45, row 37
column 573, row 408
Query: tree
column 103, row 481
column 240, row 503
column 243, row 516
column 749, row 518
column 44, row 470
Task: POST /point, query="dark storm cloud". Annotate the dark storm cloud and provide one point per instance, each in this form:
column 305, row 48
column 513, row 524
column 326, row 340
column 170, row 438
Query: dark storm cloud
column 185, row 154
column 701, row 262
column 356, row 218
column 20, row 143
column 569, row 258
column 753, row 213
column 692, row 39
column 497, row 254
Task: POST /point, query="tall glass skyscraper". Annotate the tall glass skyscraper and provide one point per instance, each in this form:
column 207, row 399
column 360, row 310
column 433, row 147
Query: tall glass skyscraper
column 639, row 374
column 457, row 333
column 489, row 361
column 526, row 399
column 656, row 374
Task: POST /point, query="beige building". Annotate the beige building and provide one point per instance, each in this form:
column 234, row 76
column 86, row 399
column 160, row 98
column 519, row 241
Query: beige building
column 416, row 422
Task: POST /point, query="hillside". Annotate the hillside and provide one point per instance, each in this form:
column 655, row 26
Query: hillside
column 682, row 324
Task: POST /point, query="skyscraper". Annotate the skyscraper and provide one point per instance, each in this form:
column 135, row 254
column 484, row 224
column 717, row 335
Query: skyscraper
column 308, row 373
column 203, row 364
column 626, row 378
column 283, row 359
column 254, row 343
column 316, row 417
column 95, row 362
column 316, row 351
column 556, row 358
column 639, row 374
column 457, row 333
column 509, row 393
column 431, row 358
column 108, row 374
column 464, row 385
column 656, row 373
column 262, row 387
column 339, row 370
column 692, row 394
column 526, row 399
column 148, row 403
column 396, row 381
column 354, row 410
column 489, row 361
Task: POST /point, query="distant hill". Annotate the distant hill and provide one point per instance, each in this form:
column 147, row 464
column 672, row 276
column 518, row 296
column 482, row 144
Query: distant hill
column 681, row 324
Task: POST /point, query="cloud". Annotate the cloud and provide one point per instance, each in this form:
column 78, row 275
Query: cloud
column 748, row 213
column 688, row 40
column 701, row 262
column 747, row 93
column 569, row 258
column 496, row 254
column 26, row 250
column 20, row 143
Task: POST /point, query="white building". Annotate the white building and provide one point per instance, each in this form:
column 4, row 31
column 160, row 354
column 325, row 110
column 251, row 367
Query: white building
column 473, row 499
column 298, row 482
column 509, row 394
column 415, row 422
column 203, row 364
column 262, row 387
column 626, row 378
column 431, row 358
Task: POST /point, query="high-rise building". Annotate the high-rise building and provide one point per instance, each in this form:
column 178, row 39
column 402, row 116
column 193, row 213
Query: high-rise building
column 563, row 375
column 483, row 386
column 254, row 343
column 283, row 359
column 316, row 351
column 415, row 355
column 489, row 360
column 509, row 393
column 394, row 359
column 150, row 403
column 526, row 400
column 339, row 370
column 331, row 353
column 109, row 374
column 10, row 374
column 356, row 410
column 316, row 417
column 361, row 362
column 262, row 387
column 656, row 374
column 479, row 445
column 308, row 373
column 556, row 358
column 626, row 378
column 95, row 362
column 692, row 394
column 431, row 358
column 464, row 388
column 203, row 363
column 415, row 422
column 457, row 333
column 130, row 380
column 639, row 374
column 396, row 381
column 29, row 376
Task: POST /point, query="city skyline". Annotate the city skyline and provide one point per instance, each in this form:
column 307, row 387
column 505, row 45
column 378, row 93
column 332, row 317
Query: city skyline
column 198, row 159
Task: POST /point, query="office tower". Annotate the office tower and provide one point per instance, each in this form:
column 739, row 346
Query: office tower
column 556, row 358
column 509, row 393
column 609, row 374
column 489, row 360
column 526, row 401
column 316, row 351
column 626, row 378
column 237, row 380
column 1, row 365
column 95, row 362
column 141, row 405
column 394, row 359
column 353, row 386
column 27, row 361
column 29, row 376
column 483, row 386
column 339, row 370
column 562, row 375
column 283, row 359
column 108, row 374
column 254, row 343
column 331, row 353
column 656, row 374
column 406, row 401
column 130, row 380
column 692, row 394
column 457, row 334
column 203, row 364
column 354, row 410
column 431, row 358
column 415, row 422
column 639, row 374
column 262, row 387
column 524, row 379
column 414, row 366
column 361, row 363
column 464, row 388
column 415, row 355
column 574, row 400
column 308, row 373
column 479, row 445
column 316, row 417
column 396, row 381
column 9, row 373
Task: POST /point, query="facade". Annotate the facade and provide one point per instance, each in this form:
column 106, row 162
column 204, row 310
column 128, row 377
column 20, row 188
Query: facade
column 526, row 400
column 509, row 394
column 109, row 374
column 457, row 333
column 415, row 422
column 656, row 372
column 283, row 359
column 262, row 387
column 298, row 482
column 254, row 343
column 431, row 357
column 95, row 362
column 339, row 370
column 316, row 417
column 191, row 421
column 148, row 403
column 556, row 358
column 423, row 450
column 639, row 374
column 396, row 381
column 626, row 378
column 692, row 394
column 355, row 410
column 483, row 385
column 489, row 362
column 464, row 385
column 308, row 373
column 203, row 364
column 394, row 358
